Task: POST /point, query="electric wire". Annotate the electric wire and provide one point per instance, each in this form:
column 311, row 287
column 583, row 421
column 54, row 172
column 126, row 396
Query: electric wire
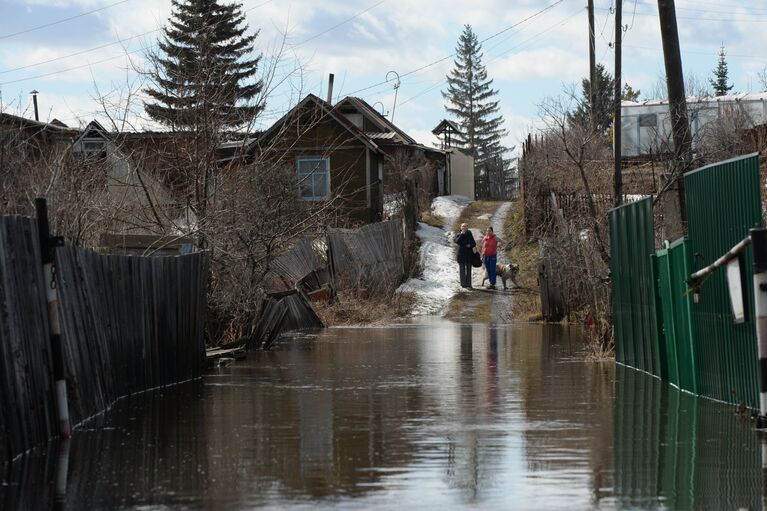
column 64, row 20
column 106, row 45
column 426, row 66
column 347, row 20
column 496, row 57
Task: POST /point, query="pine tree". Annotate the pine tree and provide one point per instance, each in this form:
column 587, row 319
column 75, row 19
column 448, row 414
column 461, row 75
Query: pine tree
column 198, row 77
column 471, row 100
column 719, row 82
column 603, row 108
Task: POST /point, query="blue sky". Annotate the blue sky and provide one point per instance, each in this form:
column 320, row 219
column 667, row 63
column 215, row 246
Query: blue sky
column 538, row 53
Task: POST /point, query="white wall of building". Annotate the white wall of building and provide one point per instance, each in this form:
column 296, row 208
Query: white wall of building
column 646, row 125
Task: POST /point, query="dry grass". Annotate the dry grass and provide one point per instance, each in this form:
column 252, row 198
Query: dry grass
column 428, row 217
column 596, row 352
column 474, row 210
column 527, row 306
column 348, row 309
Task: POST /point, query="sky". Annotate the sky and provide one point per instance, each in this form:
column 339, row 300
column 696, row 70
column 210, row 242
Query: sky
column 83, row 56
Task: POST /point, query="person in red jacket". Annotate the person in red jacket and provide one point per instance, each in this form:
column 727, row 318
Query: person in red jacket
column 490, row 254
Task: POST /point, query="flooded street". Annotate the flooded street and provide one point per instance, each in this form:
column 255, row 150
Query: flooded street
column 430, row 415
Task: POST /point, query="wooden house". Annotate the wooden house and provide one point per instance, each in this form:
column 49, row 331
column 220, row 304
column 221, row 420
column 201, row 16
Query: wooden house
column 346, row 152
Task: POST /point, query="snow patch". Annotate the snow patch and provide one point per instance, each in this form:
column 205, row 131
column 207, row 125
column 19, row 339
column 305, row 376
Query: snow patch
column 439, row 282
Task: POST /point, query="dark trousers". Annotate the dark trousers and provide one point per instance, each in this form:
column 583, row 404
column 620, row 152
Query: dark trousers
column 465, row 271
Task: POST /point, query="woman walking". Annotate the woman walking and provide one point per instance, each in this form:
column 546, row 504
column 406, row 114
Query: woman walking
column 490, row 255
column 466, row 244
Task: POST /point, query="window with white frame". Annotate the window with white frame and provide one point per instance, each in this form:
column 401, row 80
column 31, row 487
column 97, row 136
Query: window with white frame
column 313, row 178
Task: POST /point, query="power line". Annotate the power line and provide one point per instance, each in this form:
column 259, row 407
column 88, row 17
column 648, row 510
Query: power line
column 71, row 68
column 496, row 57
column 64, row 20
column 93, row 49
column 751, row 19
column 760, row 58
column 538, row 13
column 81, row 52
column 347, row 20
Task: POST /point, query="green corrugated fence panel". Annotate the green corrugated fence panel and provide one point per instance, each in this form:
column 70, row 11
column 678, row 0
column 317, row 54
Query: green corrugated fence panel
column 616, row 282
column 666, row 318
column 723, row 203
column 681, row 302
column 660, row 281
column 632, row 242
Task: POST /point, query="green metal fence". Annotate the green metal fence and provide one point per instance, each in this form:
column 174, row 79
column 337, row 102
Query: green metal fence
column 658, row 326
column 631, row 245
column 723, row 203
column 674, row 315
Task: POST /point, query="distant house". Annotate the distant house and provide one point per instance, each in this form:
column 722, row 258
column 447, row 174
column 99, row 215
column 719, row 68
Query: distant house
column 646, row 125
column 140, row 174
column 350, row 153
column 34, row 141
column 460, row 166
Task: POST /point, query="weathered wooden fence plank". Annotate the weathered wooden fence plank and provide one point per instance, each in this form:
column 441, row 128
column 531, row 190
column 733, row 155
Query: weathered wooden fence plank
column 128, row 324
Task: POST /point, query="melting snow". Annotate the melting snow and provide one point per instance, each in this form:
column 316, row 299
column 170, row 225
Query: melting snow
column 439, row 282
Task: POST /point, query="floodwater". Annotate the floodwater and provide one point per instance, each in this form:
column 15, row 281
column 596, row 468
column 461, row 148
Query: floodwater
column 435, row 415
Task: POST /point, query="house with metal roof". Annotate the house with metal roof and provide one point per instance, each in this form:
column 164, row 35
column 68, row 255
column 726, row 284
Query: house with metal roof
column 646, row 125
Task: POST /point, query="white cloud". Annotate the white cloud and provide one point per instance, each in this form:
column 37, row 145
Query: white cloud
column 541, row 64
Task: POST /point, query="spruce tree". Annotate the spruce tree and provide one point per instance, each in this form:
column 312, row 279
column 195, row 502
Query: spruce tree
column 719, row 82
column 471, row 100
column 198, row 76
column 604, row 94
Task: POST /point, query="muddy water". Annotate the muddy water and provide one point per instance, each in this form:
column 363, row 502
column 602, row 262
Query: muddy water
column 435, row 415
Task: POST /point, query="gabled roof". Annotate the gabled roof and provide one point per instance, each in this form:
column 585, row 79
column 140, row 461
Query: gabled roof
column 55, row 126
column 444, row 125
column 328, row 110
column 376, row 118
column 93, row 129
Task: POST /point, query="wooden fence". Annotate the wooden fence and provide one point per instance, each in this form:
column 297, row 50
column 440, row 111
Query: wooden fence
column 26, row 396
column 128, row 324
column 367, row 258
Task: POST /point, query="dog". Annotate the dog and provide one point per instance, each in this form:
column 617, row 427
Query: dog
column 505, row 272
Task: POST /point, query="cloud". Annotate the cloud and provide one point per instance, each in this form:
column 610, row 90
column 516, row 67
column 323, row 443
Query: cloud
column 541, row 64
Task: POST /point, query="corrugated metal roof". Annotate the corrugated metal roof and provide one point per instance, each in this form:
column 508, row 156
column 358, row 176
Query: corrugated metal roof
column 381, row 135
column 742, row 96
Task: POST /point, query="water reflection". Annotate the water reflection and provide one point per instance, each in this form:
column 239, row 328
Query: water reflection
column 681, row 452
column 432, row 415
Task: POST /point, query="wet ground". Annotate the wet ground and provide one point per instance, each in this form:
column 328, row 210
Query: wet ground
column 433, row 415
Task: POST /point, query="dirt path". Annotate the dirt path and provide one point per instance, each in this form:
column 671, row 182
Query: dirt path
column 480, row 304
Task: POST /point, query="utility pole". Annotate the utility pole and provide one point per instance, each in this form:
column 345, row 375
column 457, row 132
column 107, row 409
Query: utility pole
column 618, row 176
column 677, row 102
column 592, row 66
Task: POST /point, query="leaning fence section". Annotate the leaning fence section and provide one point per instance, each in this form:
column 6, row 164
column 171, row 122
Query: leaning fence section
column 128, row 324
column 670, row 326
column 367, row 257
column 632, row 244
column 723, row 203
column 26, row 397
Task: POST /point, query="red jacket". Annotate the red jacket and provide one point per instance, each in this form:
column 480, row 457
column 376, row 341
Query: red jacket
column 489, row 245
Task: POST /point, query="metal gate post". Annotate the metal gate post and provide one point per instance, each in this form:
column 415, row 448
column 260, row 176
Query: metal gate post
column 47, row 246
column 759, row 247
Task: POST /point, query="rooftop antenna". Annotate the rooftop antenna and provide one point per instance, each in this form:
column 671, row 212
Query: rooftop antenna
column 396, row 89
column 34, row 102
column 383, row 108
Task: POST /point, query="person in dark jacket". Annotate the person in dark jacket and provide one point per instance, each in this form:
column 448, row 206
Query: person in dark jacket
column 466, row 244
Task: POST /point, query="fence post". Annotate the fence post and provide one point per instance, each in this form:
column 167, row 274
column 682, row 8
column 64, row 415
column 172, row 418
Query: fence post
column 759, row 247
column 47, row 246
